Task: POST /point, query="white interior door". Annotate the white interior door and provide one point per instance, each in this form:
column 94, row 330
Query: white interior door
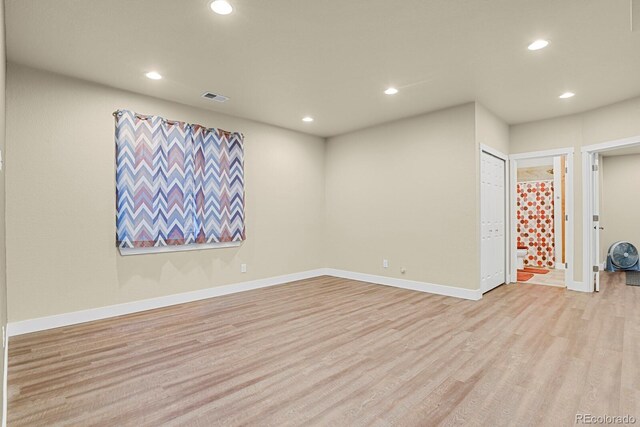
column 492, row 220
column 595, row 211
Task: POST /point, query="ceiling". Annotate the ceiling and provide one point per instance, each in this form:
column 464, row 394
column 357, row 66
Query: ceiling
column 280, row 60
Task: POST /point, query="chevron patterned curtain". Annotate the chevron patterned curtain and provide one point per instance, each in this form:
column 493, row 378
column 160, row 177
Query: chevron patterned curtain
column 176, row 183
column 219, row 185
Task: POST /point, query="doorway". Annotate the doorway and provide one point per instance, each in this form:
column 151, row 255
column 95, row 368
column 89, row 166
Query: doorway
column 541, row 214
column 595, row 254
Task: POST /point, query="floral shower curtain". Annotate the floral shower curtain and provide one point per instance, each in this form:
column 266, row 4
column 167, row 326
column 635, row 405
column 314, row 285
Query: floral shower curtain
column 535, row 225
column 176, row 183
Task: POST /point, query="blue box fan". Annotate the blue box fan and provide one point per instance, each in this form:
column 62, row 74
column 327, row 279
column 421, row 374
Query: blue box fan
column 622, row 256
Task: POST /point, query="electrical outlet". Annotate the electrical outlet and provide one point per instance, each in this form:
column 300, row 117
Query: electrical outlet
column 243, row 268
column 385, row 263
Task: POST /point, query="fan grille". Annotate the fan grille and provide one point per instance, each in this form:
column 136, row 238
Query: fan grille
column 623, row 255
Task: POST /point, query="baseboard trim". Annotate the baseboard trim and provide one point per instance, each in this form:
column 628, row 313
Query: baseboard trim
column 450, row 291
column 76, row 317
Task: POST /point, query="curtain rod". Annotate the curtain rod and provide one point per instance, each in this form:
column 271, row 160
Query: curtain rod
column 118, row 113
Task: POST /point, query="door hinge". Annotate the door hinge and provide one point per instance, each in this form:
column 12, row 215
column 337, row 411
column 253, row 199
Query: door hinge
column 594, row 168
column 596, row 218
column 596, row 268
column 566, row 265
column 566, row 169
column 566, row 217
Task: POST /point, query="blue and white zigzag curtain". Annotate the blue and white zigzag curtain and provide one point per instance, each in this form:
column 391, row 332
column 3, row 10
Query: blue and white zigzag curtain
column 176, row 183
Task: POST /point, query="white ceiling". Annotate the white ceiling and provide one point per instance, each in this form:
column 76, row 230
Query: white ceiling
column 279, row 60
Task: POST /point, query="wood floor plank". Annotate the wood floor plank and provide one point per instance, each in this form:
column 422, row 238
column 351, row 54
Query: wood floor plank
column 329, row 351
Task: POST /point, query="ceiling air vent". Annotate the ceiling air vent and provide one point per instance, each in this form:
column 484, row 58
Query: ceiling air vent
column 215, row 97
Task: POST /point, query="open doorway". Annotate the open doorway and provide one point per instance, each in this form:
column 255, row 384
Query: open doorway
column 541, row 246
column 612, row 238
column 540, row 229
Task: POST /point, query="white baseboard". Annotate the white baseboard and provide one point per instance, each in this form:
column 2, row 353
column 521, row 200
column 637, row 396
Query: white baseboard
column 450, row 291
column 73, row 318
column 76, row 317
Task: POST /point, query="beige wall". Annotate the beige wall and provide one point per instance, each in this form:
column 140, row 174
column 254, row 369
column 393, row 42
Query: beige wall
column 61, row 201
column 620, row 202
column 407, row 191
column 608, row 123
column 3, row 265
column 491, row 130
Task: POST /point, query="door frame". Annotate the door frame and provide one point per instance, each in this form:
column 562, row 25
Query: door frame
column 507, row 230
column 558, row 222
column 588, row 197
column 569, row 200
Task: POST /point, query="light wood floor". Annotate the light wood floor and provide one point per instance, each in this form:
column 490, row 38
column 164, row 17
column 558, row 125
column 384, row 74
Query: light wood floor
column 337, row 352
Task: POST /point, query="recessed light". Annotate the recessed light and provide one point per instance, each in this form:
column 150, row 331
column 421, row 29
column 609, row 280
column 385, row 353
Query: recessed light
column 221, row 7
column 153, row 75
column 567, row 95
column 391, row 91
column 538, row 44
column 307, row 119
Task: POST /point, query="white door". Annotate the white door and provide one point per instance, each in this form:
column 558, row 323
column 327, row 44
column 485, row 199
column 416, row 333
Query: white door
column 492, row 220
column 595, row 211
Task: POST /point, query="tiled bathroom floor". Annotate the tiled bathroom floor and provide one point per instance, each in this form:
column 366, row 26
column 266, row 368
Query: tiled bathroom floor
column 552, row 278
